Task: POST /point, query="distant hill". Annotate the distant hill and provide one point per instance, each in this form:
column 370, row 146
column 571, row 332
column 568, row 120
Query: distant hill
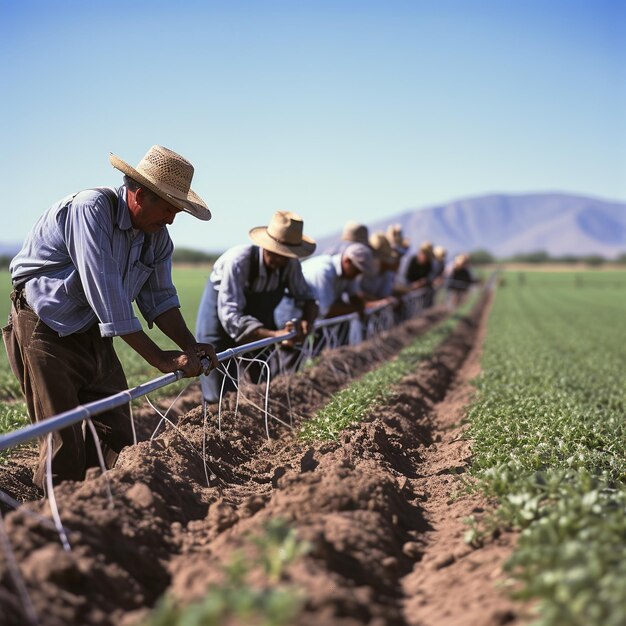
column 505, row 225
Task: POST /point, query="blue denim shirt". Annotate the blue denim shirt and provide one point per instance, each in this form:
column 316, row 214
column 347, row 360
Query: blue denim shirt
column 84, row 263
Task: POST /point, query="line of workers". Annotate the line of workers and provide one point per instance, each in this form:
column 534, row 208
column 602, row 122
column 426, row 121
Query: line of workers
column 92, row 255
column 256, row 289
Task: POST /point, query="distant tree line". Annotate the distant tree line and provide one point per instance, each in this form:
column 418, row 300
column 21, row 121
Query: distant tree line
column 483, row 257
column 194, row 257
column 181, row 255
column 478, row 257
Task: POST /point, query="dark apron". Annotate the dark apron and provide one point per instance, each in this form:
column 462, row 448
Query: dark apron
column 209, row 329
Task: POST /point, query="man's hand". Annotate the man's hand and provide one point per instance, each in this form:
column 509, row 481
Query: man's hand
column 290, row 326
column 389, row 300
column 166, row 361
column 191, row 362
column 418, row 284
column 206, row 353
column 172, row 360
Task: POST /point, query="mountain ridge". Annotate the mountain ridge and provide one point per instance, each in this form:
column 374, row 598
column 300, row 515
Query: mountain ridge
column 507, row 224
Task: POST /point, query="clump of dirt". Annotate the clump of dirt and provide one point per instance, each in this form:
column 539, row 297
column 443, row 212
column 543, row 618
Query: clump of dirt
column 362, row 502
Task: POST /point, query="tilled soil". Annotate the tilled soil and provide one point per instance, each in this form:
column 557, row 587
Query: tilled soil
column 382, row 508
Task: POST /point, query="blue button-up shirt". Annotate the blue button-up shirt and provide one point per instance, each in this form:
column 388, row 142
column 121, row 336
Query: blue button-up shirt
column 379, row 286
column 84, row 263
column 323, row 274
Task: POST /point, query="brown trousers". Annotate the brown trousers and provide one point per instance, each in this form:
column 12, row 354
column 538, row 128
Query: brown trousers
column 57, row 374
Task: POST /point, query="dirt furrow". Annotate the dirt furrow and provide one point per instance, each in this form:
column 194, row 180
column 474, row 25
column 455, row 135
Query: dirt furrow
column 125, row 557
column 376, row 506
column 452, row 583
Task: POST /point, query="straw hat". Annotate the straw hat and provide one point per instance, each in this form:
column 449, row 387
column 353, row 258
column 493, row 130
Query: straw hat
column 355, row 232
column 461, row 260
column 284, row 236
column 382, row 248
column 169, row 175
column 439, row 253
column 397, row 239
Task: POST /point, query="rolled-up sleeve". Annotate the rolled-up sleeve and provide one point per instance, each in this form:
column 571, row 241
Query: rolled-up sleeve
column 88, row 229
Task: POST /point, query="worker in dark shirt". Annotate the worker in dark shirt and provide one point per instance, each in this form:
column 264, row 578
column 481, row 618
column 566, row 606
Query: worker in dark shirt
column 459, row 279
column 419, row 268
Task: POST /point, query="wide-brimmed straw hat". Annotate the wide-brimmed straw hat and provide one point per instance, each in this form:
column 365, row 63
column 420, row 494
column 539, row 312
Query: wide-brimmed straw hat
column 382, row 248
column 461, row 259
column 284, row 236
column 356, row 233
column 439, row 252
column 427, row 248
column 169, row 175
column 397, row 239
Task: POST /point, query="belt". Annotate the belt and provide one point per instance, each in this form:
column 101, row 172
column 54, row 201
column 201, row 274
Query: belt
column 18, row 297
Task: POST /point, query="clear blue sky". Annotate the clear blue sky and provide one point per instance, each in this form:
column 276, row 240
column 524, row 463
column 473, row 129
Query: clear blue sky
column 335, row 109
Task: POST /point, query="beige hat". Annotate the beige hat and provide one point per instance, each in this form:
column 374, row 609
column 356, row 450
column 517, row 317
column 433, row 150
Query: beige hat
column 284, row 236
column 426, row 246
column 358, row 233
column 397, row 239
column 439, row 253
column 461, row 260
column 362, row 257
column 382, row 248
column 169, row 176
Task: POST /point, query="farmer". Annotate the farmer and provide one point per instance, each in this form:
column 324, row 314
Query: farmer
column 419, row 270
column 438, row 265
column 74, row 281
column 395, row 236
column 380, row 288
column 420, row 266
column 332, row 279
column 459, row 278
column 245, row 287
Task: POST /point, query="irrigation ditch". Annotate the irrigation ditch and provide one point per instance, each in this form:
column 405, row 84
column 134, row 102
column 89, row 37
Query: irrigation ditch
column 380, row 510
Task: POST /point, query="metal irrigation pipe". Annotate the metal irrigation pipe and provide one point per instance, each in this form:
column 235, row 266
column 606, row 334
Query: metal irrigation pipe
column 85, row 411
column 331, row 321
column 414, row 294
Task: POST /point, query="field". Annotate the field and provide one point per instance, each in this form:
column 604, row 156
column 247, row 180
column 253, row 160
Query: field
column 464, row 468
column 550, row 439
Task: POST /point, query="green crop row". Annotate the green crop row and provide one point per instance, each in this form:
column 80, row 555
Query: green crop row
column 12, row 417
column 239, row 600
column 549, row 442
column 349, row 405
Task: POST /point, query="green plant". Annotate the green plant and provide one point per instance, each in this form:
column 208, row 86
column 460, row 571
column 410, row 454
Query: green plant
column 550, row 443
column 236, row 601
column 12, row 417
column 349, row 405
